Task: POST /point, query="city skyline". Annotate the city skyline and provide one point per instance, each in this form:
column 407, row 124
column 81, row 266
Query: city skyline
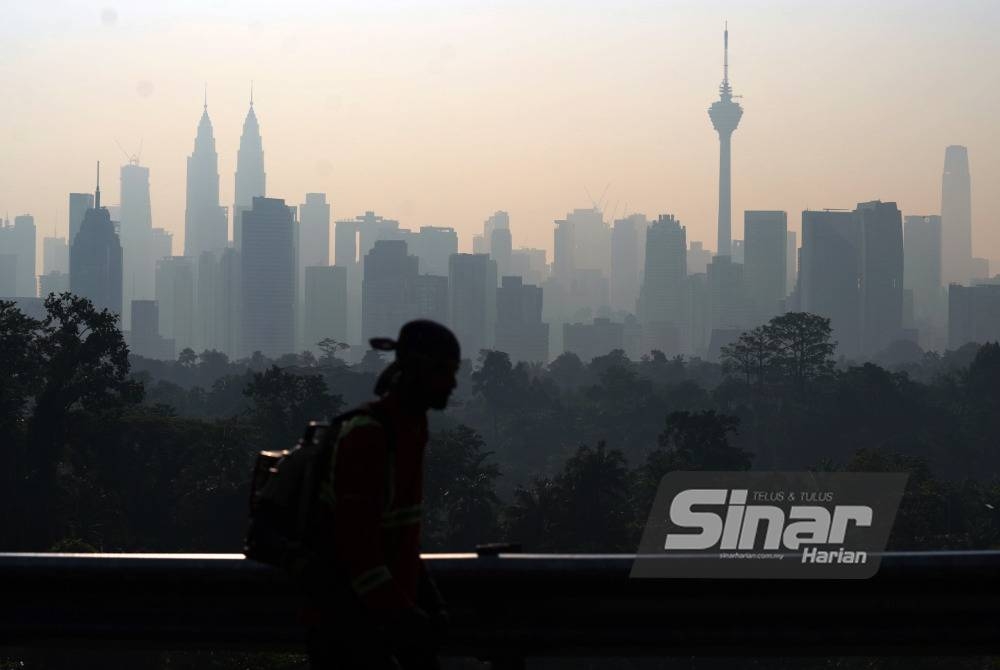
column 340, row 148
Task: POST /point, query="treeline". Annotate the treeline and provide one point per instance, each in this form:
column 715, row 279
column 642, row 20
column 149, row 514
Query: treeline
column 113, row 452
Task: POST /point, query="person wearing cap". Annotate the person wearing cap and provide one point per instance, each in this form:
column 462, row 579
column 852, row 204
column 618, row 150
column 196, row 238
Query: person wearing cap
column 393, row 614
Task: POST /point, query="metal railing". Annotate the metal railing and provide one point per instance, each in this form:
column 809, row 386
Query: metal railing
column 516, row 605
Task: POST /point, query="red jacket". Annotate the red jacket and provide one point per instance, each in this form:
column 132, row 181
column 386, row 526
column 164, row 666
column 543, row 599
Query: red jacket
column 377, row 540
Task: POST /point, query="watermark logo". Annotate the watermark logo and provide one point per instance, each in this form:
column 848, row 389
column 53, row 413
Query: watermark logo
column 792, row 525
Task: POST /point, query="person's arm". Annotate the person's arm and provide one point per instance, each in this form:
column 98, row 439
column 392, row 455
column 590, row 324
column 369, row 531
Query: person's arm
column 358, row 490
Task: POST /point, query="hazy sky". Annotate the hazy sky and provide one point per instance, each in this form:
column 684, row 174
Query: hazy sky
column 439, row 113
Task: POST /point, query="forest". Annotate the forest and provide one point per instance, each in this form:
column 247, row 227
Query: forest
column 106, row 451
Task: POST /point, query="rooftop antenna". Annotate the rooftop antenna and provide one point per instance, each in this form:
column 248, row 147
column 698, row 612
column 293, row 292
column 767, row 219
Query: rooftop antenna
column 206, row 97
column 97, row 192
column 251, row 92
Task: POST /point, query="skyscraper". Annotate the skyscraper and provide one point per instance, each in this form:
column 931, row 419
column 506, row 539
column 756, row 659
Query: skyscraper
column 956, row 217
column 472, row 291
column 530, row 265
column 354, row 238
column 389, row 272
column 429, row 297
column 95, row 258
column 564, row 253
column 250, row 177
column 162, row 244
column 268, row 278
column 830, row 274
column 661, row 298
column 726, row 298
column 312, row 250
column 19, row 242
column 501, row 246
column 314, row 231
column 881, row 274
column 591, row 240
column 764, row 270
column 520, row 331
column 144, row 337
column 326, row 305
column 791, row 261
column 973, row 314
column 725, row 115
column 628, row 241
column 55, row 255
column 135, row 232
column 434, row 245
column 205, row 223
column 922, row 261
column 79, row 203
column 175, row 297
column 698, row 257
column 499, row 220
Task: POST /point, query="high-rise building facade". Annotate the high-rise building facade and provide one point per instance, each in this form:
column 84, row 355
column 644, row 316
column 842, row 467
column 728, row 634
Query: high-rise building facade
column 95, row 259
column 661, row 298
column 501, row 246
column 530, row 265
column 973, row 314
column 628, row 244
column 591, row 240
column 725, row 114
column 472, row 291
column 175, row 297
column 206, row 225
column 144, row 338
column 53, row 282
column 922, row 263
column 499, row 220
column 325, row 305
column 590, row 340
column 268, row 276
column 161, row 243
column 764, row 266
column 434, row 245
column 830, row 274
column 520, row 331
column 429, row 297
column 727, row 302
column 791, row 261
column 250, row 176
column 564, row 253
column 55, row 255
column 135, row 231
column 314, row 231
column 79, row 203
column 698, row 258
column 389, row 272
column 881, row 274
column 19, row 241
column 956, row 217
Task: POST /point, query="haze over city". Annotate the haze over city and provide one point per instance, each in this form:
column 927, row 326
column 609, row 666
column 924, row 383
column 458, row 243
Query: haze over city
column 443, row 113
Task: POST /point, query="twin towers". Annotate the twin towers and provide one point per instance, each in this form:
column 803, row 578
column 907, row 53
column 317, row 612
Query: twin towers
column 206, row 224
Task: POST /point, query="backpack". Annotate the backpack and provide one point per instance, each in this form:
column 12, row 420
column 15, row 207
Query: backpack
column 288, row 529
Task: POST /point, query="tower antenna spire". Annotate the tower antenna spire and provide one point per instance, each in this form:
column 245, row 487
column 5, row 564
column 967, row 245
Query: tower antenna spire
column 206, row 97
column 251, row 92
column 97, row 192
column 725, row 53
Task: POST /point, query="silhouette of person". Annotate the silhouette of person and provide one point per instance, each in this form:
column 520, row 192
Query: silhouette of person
column 392, row 615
